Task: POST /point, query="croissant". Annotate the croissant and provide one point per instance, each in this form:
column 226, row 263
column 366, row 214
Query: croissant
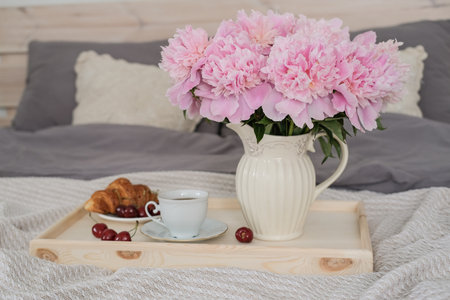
column 119, row 192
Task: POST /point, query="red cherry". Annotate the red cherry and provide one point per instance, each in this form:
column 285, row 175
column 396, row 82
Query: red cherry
column 97, row 229
column 244, row 235
column 120, row 210
column 123, row 236
column 108, row 235
column 141, row 212
column 130, row 212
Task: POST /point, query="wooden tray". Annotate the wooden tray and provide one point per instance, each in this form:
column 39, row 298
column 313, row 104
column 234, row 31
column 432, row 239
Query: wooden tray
column 335, row 241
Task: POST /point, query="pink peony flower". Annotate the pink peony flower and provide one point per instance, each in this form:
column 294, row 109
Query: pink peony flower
column 303, row 68
column 180, row 95
column 181, row 57
column 235, row 107
column 276, row 107
column 262, row 29
column 375, row 78
column 305, row 71
column 329, row 31
column 285, row 24
column 229, row 28
column 231, row 66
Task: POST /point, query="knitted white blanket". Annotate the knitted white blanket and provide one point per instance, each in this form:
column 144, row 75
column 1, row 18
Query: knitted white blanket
column 410, row 235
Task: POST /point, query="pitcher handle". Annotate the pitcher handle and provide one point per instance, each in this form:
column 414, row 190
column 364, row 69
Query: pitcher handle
column 341, row 167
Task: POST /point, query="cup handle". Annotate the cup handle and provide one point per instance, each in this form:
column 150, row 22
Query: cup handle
column 341, row 167
column 156, row 219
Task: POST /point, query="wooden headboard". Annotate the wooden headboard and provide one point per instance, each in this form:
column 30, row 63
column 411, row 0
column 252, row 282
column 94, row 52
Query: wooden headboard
column 158, row 19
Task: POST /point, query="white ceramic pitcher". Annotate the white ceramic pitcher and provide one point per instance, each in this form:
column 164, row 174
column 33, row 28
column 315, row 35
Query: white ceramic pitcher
column 276, row 182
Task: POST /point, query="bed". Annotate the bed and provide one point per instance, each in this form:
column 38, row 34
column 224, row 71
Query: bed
column 49, row 165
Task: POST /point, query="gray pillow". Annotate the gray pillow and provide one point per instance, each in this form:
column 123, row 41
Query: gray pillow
column 435, row 37
column 49, row 97
column 208, row 126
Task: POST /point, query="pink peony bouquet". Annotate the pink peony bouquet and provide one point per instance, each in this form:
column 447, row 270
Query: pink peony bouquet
column 284, row 75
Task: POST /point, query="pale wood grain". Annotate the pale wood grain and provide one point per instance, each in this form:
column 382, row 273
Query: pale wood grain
column 66, row 222
column 12, row 79
column 361, row 14
column 6, row 121
column 164, row 255
column 331, row 244
column 364, row 227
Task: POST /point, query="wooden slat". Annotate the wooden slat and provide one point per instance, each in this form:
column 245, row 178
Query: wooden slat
column 364, row 228
column 159, row 18
column 185, row 12
column 360, row 14
column 9, row 113
column 112, row 21
column 12, row 79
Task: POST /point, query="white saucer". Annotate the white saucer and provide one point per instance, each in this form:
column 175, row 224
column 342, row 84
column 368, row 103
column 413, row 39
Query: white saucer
column 123, row 220
column 210, row 229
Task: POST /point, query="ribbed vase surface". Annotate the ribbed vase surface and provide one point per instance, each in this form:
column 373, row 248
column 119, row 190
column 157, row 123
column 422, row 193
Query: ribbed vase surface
column 276, row 183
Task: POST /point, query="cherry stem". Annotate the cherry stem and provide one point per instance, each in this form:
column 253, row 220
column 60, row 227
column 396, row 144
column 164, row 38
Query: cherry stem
column 135, row 229
column 92, row 218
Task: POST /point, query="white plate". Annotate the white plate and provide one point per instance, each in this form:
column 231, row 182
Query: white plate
column 123, row 220
column 210, row 229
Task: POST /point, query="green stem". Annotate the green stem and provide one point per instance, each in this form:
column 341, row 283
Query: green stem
column 92, row 218
column 134, row 229
column 328, row 119
column 291, row 128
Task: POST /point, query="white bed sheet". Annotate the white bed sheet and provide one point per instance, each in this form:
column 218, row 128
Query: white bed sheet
column 410, row 234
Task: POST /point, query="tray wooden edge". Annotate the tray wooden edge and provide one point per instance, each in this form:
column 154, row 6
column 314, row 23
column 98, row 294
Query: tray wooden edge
column 331, row 261
column 366, row 242
column 276, row 259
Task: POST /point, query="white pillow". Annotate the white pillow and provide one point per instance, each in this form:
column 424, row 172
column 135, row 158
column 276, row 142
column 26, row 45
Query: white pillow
column 115, row 91
column 408, row 105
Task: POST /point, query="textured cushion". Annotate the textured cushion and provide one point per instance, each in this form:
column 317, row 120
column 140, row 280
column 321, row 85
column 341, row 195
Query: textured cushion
column 435, row 38
column 118, row 92
column 414, row 57
column 49, row 97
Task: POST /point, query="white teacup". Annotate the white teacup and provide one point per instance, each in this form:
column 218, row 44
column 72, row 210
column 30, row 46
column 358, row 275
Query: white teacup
column 182, row 211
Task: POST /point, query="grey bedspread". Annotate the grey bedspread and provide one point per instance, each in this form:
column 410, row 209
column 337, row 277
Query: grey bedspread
column 411, row 153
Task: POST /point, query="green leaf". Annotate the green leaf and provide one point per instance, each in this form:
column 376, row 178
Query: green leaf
column 379, row 125
column 345, row 133
column 355, row 130
column 337, row 146
column 335, row 127
column 184, row 114
column 315, row 130
column 326, row 148
column 246, row 122
column 275, row 129
column 268, row 128
column 259, row 131
column 298, row 131
column 329, row 134
column 283, row 127
column 291, row 128
column 265, row 121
